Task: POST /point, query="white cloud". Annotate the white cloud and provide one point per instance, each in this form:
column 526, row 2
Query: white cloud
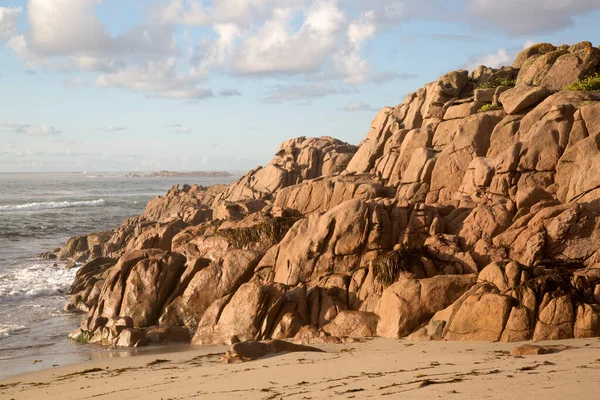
column 358, row 106
column 528, row 43
column 19, row 45
column 28, row 129
column 492, row 60
column 230, row 93
column 177, row 128
column 209, row 55
column 277, row 48
column 348, row 62
column 86, row 34
column 520, row 17
column 72, row 83
column 498, row 59
column 194, row 12
column 157, row 79
column 67, row 34
column 301, row 92
column 110, row 128
column 387, row 76
column 8, row 21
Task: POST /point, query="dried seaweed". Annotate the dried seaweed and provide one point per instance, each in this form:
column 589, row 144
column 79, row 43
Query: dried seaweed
column 556, row 281
column 273, row 230
column 388, row 266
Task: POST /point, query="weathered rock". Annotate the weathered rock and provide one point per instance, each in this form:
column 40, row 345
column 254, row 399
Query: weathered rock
column 139, row 285
column 408, row 303
column 372, row 148
column 320, row 195
column 522, row 97
column 534, row 50
column 447, row 223
column 315, row 245
column 535, row 350
column 251, row 350
column 481, row 317
column 587, row 321
column 130, row 337
column 518, row 326
column 555, row 320
column 242, row 316
column 353, row 323
column 472, row 140
column 568, row 68
column 296, row 160
column 85, row 289
column 209, row 284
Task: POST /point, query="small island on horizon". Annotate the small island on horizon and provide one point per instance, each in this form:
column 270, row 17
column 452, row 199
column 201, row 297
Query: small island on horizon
column 191, row 173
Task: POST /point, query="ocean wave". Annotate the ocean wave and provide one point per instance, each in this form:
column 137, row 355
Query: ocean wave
column 53, row 204
column 7, row 330
column 36, row 281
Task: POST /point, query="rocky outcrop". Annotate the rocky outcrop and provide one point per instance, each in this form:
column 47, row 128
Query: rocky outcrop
column 296, row 160
column 470, row 212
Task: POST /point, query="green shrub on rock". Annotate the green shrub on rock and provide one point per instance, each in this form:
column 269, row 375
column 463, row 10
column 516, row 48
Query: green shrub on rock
column 497, row 83
column 591, row 83
column 490, row 107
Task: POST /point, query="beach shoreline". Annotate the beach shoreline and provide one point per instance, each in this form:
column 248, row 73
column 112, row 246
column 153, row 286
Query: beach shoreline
column 374, row 368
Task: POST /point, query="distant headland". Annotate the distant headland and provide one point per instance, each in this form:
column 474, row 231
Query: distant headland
column 191, row 173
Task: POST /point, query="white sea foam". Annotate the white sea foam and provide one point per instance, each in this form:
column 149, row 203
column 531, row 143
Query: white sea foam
column 37, row 280
column 53, row 204
column 7, row 329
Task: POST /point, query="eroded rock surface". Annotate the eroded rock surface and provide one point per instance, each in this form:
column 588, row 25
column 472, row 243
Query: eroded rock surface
column 471, row 211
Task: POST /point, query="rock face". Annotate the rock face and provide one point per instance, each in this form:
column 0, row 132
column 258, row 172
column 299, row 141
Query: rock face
column 448, row 222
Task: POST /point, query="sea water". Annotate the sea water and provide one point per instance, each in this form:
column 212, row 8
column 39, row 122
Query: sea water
column 39, row 212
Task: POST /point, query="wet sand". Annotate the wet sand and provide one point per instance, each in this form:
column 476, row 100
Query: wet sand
column 379, row 368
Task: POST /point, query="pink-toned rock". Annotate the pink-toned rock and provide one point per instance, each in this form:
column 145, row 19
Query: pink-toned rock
column 353, row 323
column 522, row 97
column 556, row 320
column 481, row 317
column 408, row 303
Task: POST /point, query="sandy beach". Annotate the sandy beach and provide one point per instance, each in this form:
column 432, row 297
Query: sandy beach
column 374, row 369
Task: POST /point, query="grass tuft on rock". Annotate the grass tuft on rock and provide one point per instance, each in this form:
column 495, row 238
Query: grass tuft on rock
column 497, row 83
column 388, row 266
column 490, row 107
column 274, row 230
column 590, row 84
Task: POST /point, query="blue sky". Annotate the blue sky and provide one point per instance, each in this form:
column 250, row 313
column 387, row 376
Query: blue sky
column 208, row 85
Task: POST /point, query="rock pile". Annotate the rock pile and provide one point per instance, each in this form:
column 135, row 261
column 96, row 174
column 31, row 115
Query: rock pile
column 470, row 212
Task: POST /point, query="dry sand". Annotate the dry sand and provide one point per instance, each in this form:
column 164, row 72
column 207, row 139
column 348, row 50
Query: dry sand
column 379, row 368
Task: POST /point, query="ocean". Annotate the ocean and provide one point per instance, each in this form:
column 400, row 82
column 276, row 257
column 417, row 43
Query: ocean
column 39, row 212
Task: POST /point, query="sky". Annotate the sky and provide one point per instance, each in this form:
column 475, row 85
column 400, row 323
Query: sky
column 144, row 85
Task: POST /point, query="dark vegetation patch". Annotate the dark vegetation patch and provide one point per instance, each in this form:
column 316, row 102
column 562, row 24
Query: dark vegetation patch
column 388, row 266
column 556, row 281
column 274, row 230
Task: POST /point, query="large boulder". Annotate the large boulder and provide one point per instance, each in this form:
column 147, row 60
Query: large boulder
column 481, row 316
column 139, row 285
column 295, row 161
column 409, row 302
column 323, row 194
column 207, row 285
column 353, row 324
